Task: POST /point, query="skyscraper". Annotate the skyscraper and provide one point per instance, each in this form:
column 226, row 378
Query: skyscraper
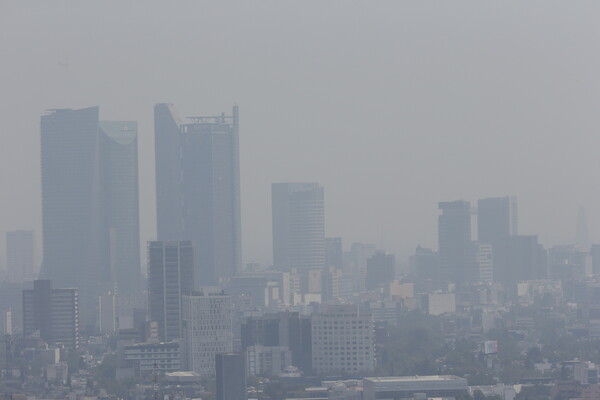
column 298, row 226
column 119, row 174
column 198, row 189
column 20, row 255
column 380, row 269
column 497, row 218
column 170, row 276
column 334, row 253
column 454, row 240
column 90, row 202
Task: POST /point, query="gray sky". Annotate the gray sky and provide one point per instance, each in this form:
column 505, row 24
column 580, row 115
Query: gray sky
column 391, row 105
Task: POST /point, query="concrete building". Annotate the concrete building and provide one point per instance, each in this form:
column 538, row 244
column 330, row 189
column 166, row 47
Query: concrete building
column 454, row 239
column 231, row 376
column 54, row 313
column 267, row 360
column 170, row 276
column 342, row 341
column 406, row 387
column 107, row 316
column 198, row 189
column 441, row 303
column 20, row 256
column 481, row 262
column 334, row 253
column 207, row 330
column 298, row 226
column 519, row 258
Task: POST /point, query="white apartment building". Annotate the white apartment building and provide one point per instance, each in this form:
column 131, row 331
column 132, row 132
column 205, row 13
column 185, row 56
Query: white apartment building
column 342, row 341
column 207, row 330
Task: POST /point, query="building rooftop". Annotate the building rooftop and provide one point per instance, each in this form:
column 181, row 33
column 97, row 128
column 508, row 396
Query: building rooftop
column 412, row 378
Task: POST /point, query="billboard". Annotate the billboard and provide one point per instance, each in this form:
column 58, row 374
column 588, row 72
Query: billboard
column 490, row 347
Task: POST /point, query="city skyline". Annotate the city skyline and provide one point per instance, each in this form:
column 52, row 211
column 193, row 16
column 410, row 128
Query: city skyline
column 314, row 126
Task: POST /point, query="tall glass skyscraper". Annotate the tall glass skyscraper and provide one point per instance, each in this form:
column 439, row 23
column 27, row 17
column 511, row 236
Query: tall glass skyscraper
column 454, row 240
column 198, row 189
column 298, row 226
column 89, row 202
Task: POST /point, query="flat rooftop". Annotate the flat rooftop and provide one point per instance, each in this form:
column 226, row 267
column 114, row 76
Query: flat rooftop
column 413, row 378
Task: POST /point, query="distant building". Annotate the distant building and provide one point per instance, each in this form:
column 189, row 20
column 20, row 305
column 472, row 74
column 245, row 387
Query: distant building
column 54, row 313
column 107, row 317
column 198, row 189
column 170, row 276
column 357, row 258
column 342, row 341
column 207, row 330
column 441, row 303
column 406, row 387
column 146, row 358
column 595, row 252
column 519, row 258
column 497, row 218
column 231, row 376
column 267, row 360
column 20, row 255
column 89, row 203
column 334, row 253
column 454, row 239
column 298, row 226
column 380, row 269
column 481, row 262
column 284, row 329
column 425, row 267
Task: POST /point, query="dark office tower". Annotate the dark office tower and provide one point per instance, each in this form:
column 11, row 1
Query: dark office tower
column 167, row 148
column 54, row 313
column 380, row 269
column 334, row 253
column 20, row 255
column 198, row 189
column 119, row 179
column 519, row 258
column 298, row 226
column 170, row 276
column 72, row 236
column 497, row 218
column 454, row 240
column 231, row 376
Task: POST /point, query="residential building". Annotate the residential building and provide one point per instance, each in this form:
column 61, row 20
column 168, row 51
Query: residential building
column 148, row 358
column 170, row 276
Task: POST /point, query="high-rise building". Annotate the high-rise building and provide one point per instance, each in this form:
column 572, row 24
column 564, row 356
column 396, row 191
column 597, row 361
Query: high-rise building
column 54, row 313
column 342, row 341
column 454, row 240
column 231, row 376
column 481, row 262
column 497, row 218
column 170, row 276
column 20, row 255
column 380, row 269
column 298, row 226
column 89, row 202
column 334, row 253
column 119, row 174
column 595, row 253
column 425, row 267
column 198, row 189
column 207, row 329
column 356, row 259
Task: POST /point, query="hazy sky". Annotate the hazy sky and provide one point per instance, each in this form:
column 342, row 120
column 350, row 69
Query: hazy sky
column 391, row 105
